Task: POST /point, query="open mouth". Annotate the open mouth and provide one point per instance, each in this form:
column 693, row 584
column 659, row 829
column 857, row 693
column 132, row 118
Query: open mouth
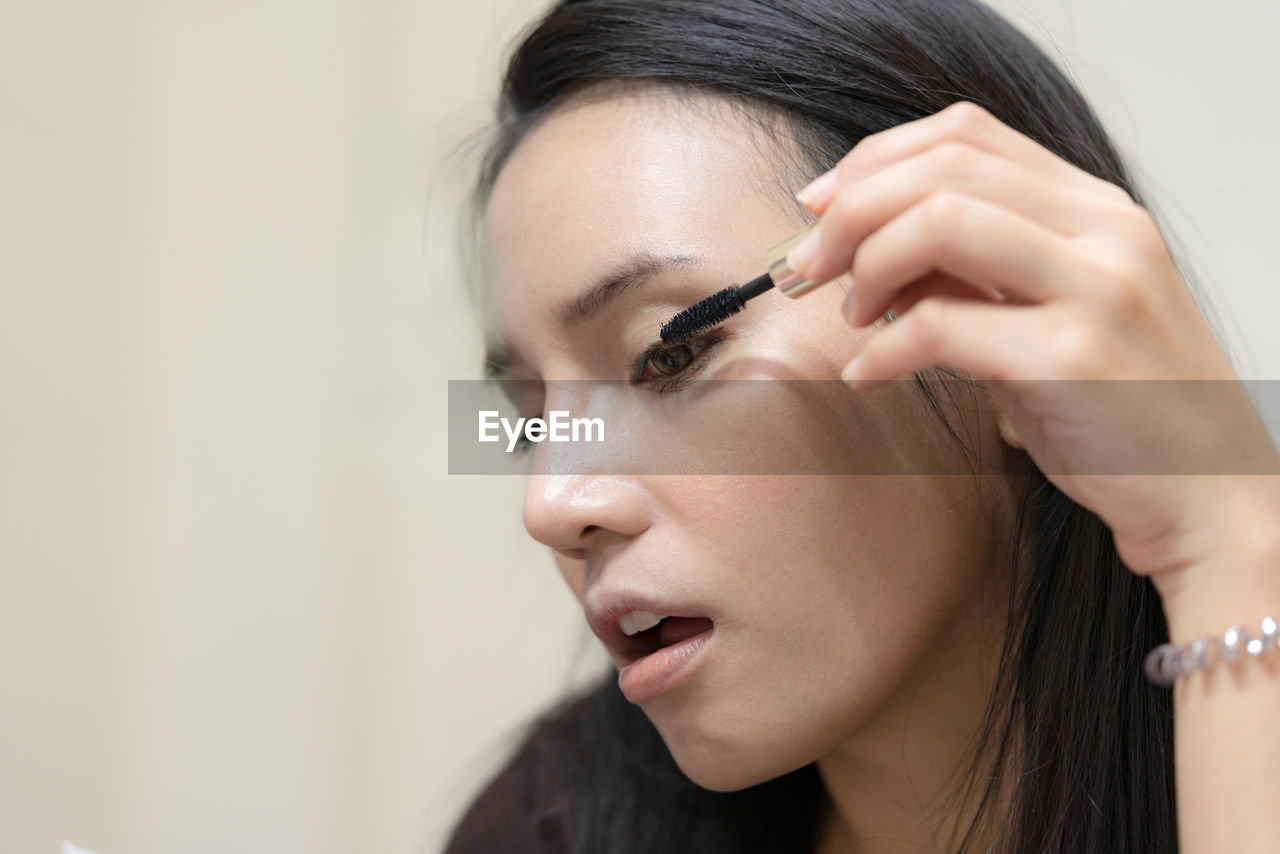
column 670, row 631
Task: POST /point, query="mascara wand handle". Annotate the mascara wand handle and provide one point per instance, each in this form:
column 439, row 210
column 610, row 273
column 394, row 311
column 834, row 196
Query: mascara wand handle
column 784, row 276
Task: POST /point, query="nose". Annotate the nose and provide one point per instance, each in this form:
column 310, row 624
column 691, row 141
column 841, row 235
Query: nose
column 575, row 513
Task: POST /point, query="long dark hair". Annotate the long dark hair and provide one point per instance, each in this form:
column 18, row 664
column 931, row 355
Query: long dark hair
column 1076, row 751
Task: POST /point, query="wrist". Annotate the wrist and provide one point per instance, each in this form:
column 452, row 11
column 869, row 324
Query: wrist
column 1239, row 583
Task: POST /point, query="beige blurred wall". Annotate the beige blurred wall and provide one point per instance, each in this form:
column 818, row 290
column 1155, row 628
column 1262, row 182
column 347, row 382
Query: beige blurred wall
column 242, row 605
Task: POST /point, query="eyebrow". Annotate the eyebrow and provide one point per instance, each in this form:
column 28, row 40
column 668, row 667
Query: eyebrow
column 634, row 271
column 631, row 273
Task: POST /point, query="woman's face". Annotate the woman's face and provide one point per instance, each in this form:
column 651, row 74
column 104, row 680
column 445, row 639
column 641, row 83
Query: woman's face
column 836, row 601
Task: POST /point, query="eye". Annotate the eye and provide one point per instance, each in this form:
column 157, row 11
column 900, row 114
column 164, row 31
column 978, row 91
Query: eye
column 663, row 364
column 670, row 361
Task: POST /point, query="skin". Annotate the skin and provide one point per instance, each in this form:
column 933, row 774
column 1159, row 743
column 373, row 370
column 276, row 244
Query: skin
column 870, row 651
column 860, row 630
column 1016, row 267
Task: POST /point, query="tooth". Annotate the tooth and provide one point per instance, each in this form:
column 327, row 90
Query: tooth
column 638, row 621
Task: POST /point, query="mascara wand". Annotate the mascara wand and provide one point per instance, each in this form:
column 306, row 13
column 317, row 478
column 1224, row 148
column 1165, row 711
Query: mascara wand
column 719, row 307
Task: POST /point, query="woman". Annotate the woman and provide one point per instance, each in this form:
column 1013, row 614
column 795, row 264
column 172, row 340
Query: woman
column 895, row 663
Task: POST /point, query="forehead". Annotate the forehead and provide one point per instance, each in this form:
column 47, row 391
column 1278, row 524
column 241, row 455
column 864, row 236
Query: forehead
column 606, row 177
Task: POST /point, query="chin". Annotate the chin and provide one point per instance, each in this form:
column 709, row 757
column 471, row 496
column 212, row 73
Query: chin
column 730, row 776
column 722, row 764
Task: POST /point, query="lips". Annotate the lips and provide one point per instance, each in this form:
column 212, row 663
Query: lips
column 675, row 629
column 604, row 611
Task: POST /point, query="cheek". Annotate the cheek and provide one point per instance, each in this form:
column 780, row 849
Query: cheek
column 857, row 568
column 848, row 565
column 829, row 607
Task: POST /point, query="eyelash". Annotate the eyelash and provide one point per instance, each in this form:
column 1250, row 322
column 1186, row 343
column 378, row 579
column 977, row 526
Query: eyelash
column 672, row 383
column 676, row 381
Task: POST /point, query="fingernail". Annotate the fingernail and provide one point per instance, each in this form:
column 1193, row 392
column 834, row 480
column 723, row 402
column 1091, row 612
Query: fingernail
column 847, row 308
column 804, row 254
column 815, row 188
column 852, row 371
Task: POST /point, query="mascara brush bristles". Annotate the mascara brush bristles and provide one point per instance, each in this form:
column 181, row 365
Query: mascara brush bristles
column 712, row 311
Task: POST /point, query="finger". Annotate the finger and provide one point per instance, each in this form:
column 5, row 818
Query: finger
column 988, row 342
column 861, row 207
column 933, row 284
column 989, row 247
column 963, row 121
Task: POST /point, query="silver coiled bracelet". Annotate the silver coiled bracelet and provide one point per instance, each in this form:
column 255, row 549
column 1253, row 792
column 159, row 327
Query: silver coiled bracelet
column 1171, row 661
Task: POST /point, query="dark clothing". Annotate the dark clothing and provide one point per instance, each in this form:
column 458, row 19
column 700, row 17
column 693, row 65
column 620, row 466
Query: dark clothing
column 513, row 813
column 594, row 776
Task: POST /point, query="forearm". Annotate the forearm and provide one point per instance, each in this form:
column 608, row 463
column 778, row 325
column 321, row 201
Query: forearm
column 1227, row 718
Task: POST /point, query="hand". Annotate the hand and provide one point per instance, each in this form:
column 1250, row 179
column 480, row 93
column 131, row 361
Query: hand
column 1004, row 261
